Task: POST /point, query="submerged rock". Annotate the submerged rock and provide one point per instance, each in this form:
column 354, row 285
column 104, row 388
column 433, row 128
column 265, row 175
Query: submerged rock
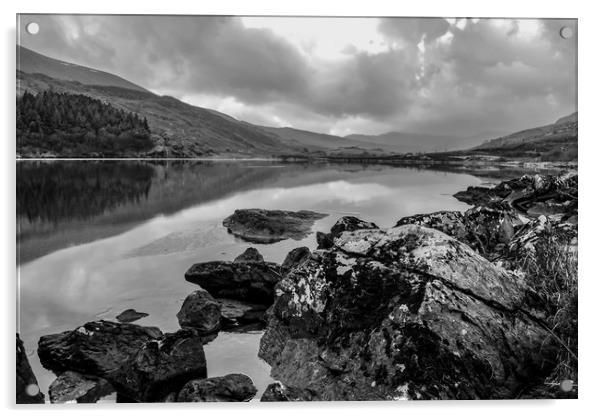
column 267, row 226
column 141, row 363
column 229, row 388
column 404, row 313
column 73, row 386
column 237, row 315
column 200, row 311
column 130, row 315
column 251, row 281
column 27, row 387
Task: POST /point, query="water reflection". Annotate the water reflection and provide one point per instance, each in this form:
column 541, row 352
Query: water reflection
column 120, row 235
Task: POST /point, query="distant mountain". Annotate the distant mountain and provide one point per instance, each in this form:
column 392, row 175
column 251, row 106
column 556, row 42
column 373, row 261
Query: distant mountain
column 414, row 142
column 31, row 62
column 565, row 127
column 178, row 129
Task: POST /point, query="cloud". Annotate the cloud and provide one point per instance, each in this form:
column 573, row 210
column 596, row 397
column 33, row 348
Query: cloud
column 443, row 76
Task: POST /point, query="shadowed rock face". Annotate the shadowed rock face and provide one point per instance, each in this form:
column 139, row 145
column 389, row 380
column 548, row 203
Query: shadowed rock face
column 130, row 315
column 141, row 363
column 404, row 313
column 267, row 226
column 27, row 387
column 277, row 392
column 229, row 388
column 201, row 312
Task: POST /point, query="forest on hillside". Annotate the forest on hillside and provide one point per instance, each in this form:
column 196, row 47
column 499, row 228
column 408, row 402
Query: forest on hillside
column 75, row 125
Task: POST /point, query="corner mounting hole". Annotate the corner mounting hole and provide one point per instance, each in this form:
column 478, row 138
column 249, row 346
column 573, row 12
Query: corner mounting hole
column 32, row 28
column 566, row 32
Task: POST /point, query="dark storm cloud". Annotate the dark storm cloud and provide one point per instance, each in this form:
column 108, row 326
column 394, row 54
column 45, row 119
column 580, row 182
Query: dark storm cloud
column 433, row 75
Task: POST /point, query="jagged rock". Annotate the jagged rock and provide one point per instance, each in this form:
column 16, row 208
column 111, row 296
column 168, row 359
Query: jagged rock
column 237, row 315
column 530, row 194
column 96, row 348
column 28, row 390
column 346, row 223
column 295, row 257
column 451, row 223
column 349, row 224
column 267, row 226
column 324, row 240
column 141, row 363
column 161, row 367
column 130, row 315
column 251, row 281
column 406, row 313
column 277, row 392
column 73, row 386
column 200, row 311
column 250, row 254
column 229, row 388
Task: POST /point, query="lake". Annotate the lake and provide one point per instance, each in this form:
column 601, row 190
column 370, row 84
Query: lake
column 98, row 237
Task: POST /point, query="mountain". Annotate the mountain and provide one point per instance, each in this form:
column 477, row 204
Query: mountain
column 31, row 62
column 557, row 140
column 413, row 142
column 178, row 129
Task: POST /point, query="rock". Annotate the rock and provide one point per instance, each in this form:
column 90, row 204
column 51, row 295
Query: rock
column 161, row 367
column 250, row 254
column 229, row 388
column 130, row 315
column 277, row 392
column 324, row 240
column 486, row 229
column 250, row 281
column 267, row 226
column 530, row 194
column 451, row 223
column 28, row 390
column 404, row 313
column 295, row 257
column 97, row 348
column 141, row 363
column 346, row 223
column 349, row 224
column 200, row 311
column 237, row 314
column 73, row 386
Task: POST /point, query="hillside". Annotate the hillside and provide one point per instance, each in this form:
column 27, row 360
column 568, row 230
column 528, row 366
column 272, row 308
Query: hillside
column 178, row 129
column 405, row 142
column 557, row 140
column 31, row 62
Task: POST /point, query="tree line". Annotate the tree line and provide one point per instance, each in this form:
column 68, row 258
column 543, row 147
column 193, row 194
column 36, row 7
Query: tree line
column 72, row 125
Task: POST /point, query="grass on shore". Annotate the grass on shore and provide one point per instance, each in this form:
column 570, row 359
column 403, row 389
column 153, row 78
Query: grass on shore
column 551, row 271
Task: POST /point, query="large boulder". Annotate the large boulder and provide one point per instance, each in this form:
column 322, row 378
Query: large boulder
column 28, row 390
column 404, row 313
column 251, row 281
column 73, row 386
column 200, row 311
column 141, row 363
column 229, row 388
column 295, row 257
column 266, row 226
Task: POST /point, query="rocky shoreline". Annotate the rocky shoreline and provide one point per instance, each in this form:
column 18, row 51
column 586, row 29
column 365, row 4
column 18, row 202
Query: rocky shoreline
column 440, row 306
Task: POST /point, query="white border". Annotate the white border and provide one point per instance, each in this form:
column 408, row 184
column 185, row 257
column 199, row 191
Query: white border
column 590, row 126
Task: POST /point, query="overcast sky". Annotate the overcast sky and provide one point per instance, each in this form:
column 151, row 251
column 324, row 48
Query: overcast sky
column 457, row 77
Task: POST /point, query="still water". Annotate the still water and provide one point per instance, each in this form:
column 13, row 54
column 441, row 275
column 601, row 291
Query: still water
column 96, row 238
